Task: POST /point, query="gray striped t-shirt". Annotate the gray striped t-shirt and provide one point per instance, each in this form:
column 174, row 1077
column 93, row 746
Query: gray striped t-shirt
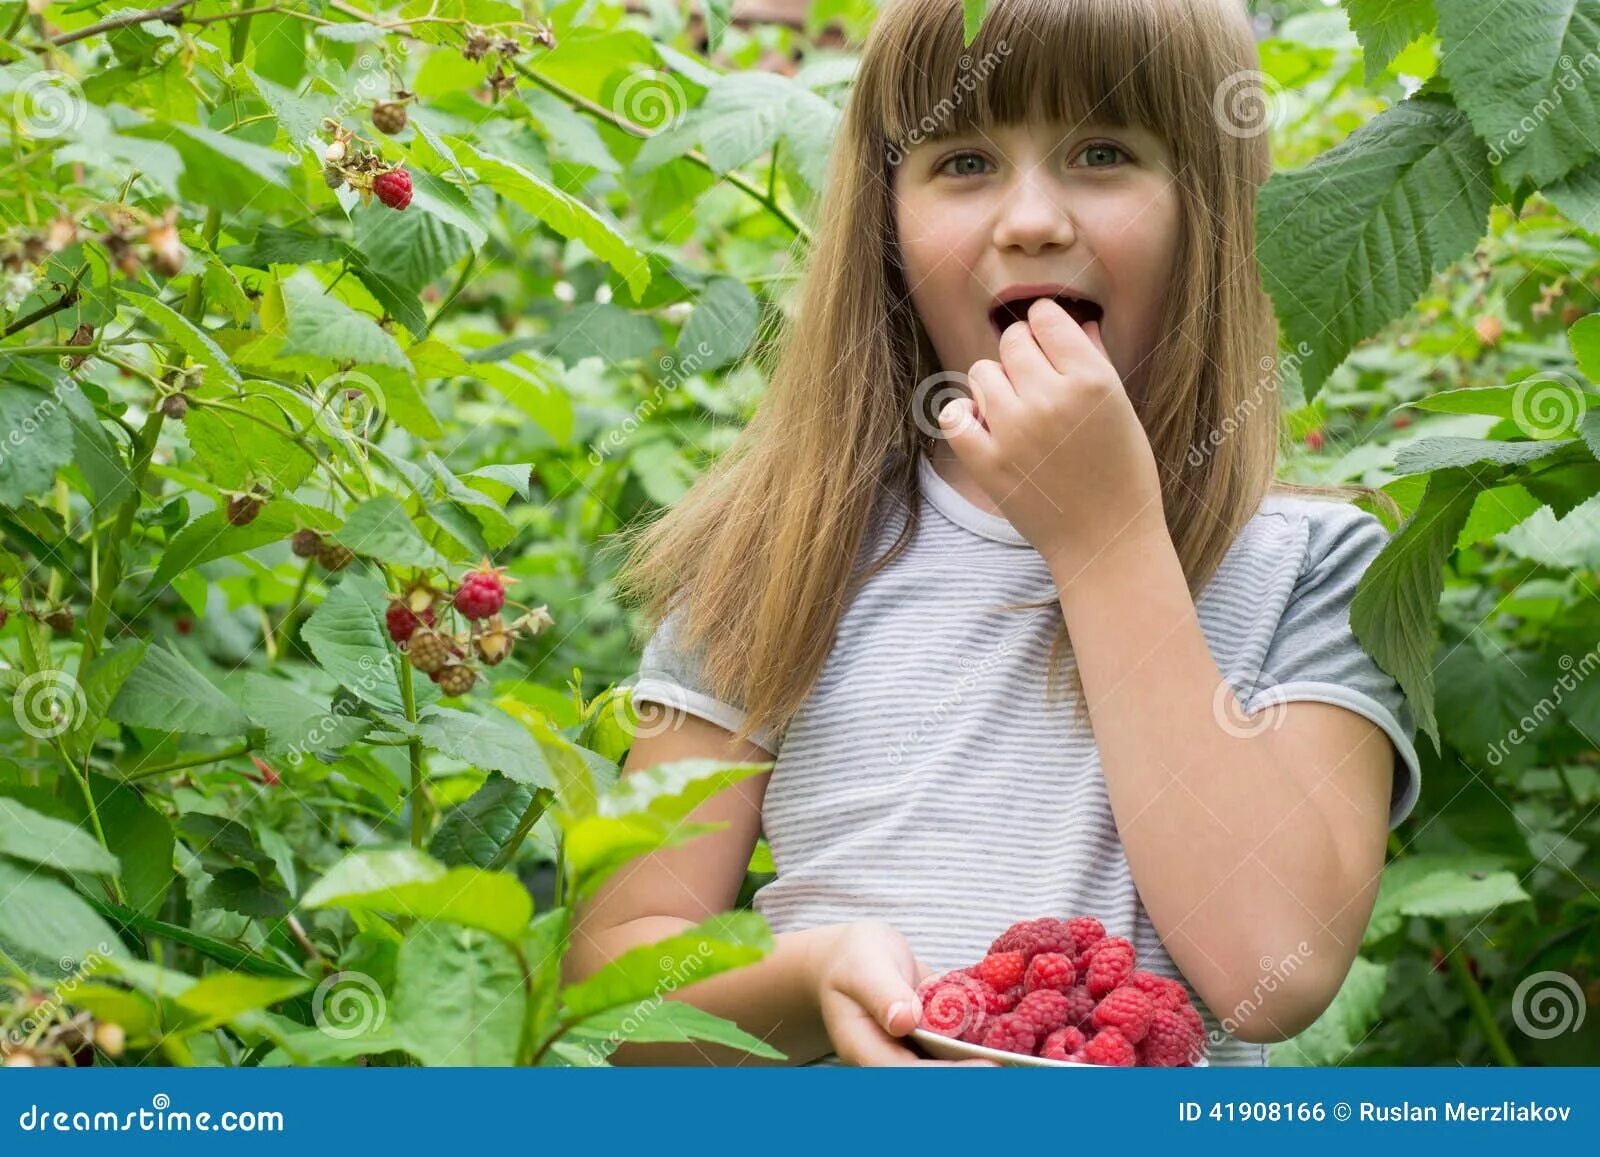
column 925, row 782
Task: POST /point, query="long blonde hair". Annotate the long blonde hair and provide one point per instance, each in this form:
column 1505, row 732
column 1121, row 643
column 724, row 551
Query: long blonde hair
column 760, row 556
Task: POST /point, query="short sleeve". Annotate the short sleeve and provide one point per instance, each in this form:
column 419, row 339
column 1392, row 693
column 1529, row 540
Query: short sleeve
column 1314, row 655
column 669, row 673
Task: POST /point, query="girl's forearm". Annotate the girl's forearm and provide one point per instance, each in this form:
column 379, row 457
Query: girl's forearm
column 774, row 999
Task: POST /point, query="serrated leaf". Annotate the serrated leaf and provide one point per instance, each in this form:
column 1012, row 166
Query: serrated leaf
column 380, row 528
column 40, row 839
column 1350, row 241
column 43, row 444
column 1440, row 884
column 474, row 832
column 410, row 883
column 237, row 451
column 166, row 693
column 459, row 997
column 321, row 325
column 1384, row 27
column 491, row 741
column 1431, row 454
column 46, row 927
column 720, row 329
column 346, row 635
column 187, row 336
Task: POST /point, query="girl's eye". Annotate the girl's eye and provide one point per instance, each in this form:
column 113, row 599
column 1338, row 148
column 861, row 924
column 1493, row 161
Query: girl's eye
column 1102, row 150
column 944, row 166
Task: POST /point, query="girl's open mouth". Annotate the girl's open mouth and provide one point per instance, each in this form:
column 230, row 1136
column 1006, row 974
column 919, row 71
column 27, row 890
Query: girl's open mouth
column 1080, row 309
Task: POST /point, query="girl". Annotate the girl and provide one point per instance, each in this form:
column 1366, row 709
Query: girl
column 876, row 586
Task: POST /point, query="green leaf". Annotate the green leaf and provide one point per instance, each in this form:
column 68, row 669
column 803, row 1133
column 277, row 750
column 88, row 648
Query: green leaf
column 1394, row 614
column 459, row 997
column 596, row 846
column 187, row 336
column 675, row 1021
column 566, row 215
column 211, row 536
column 242, row 891
column 539, row 398
column 670, row 791
column 1344, row 1024
column 491, row 741
column 475, row 831
column 574, row 783
column 142, row 836
column 237, row 451
column 323, row 326
column 41, row 446
column 1584, row 337
column 218, row 998
column 1441, row 885
column 410, row 249
column 221, row 170
column 297, row 724
column 1497, row 511
column 1384, row 27
column 380, row 528
column 1578, row 196
column 101, row 683
column 1527, row 74
column 40, row 839
column 720, row 329
column 1351, row 241
column 410, row 883
column 346, row 635
column 543, row 947
column 972, row 12
column 718, row 13
column 723, row 942
column 1430, row 454
column 165, row 693
column 46, row 927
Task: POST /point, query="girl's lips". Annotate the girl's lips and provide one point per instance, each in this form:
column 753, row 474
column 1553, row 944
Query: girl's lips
column 1081, row 311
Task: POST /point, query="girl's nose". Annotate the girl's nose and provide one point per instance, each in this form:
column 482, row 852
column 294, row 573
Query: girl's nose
column 1032, row 214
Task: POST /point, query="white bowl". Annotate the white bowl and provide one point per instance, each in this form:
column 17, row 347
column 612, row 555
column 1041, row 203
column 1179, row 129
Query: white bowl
column 949, row 1049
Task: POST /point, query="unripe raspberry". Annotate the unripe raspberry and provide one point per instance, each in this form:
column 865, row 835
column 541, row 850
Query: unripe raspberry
column 389, row 116
column 455, row 679
column 335, row 557
column 305, row 543
column 428, row 651
column 332, row 176
column 175, row 406
column 60, row 619
column 495, row 643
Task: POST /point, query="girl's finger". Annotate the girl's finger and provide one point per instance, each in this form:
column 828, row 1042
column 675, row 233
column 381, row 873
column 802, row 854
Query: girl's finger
column 1062, row 339
column 1021, row 356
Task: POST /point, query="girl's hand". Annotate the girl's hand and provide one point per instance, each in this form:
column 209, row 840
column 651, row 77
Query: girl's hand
column 1052, row 437
column 867, row 995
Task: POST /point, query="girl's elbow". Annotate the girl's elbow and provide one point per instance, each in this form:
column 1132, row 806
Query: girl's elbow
column 1277, row 1011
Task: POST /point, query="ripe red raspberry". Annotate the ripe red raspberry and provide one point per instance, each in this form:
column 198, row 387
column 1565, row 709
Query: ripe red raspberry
column 1000, row 970
column 1163, row 991
column 403, row 623
column 1031, row 937
column 1012, row 1032
column 393, row 188
column 455, row 679
column 1081, row 1006
column 1191, row 1017
column 1059, row 1045
column 1109, row 1047
column 428, row 651
column 1127, row 1010
column 482, row 592
column 1110, row 963
column 1172, row 1040
column 1086, row 933
column 1050, row 970
column 1045, row 1009
column 951, row 1009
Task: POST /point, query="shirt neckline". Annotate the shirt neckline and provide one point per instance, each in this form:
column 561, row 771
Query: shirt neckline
column 948, row 501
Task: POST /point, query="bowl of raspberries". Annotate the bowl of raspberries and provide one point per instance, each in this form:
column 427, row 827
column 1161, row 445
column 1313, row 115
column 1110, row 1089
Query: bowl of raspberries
column 1060, row 992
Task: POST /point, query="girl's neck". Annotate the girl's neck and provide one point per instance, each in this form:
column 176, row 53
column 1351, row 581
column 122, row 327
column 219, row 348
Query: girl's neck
column 950, row 469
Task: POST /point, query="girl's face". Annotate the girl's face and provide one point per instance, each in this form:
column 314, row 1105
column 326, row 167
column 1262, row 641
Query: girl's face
column 1094, row 209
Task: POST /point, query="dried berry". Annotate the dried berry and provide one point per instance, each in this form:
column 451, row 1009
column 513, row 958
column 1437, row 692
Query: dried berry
column 306, row 543
column 243, row 508
column 389, row 116
column 60, row 619
column 175, row 406
column 335, row 557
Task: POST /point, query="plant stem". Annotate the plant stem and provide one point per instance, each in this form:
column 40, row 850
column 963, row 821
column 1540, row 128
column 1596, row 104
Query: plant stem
column 66, row 299
column 1481, row 1012
column 190, row 761
column 167, row 10
column 530, row 816
column 294, row 605
column 111, row 574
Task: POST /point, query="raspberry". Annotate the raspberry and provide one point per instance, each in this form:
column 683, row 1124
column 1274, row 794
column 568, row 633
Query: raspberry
column 1000, row 970
column 389, row 116
column 951, row 1008
column 305, row 543
column 1059, row 1044
column 1110, row 962
column 1163, row 991
column 455, row 679
column 1109, row 1047
column 1046, row 1009
column 1172, row 1040
column 175, row 406
column 1050, row 970
column 482, row 592
column 393, row 188
column 1031, row 937
column 1127, row 1010
column 243, row 508
column 1011, row 1032
column 402, row 623
column 1004, row 1001
column 60, row 619
column 1086, row 933
column 1081, row 1006
column 335, row 557
column 428, row 651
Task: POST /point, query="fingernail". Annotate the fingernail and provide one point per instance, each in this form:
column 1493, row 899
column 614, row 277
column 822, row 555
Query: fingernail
column 894, row 1011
